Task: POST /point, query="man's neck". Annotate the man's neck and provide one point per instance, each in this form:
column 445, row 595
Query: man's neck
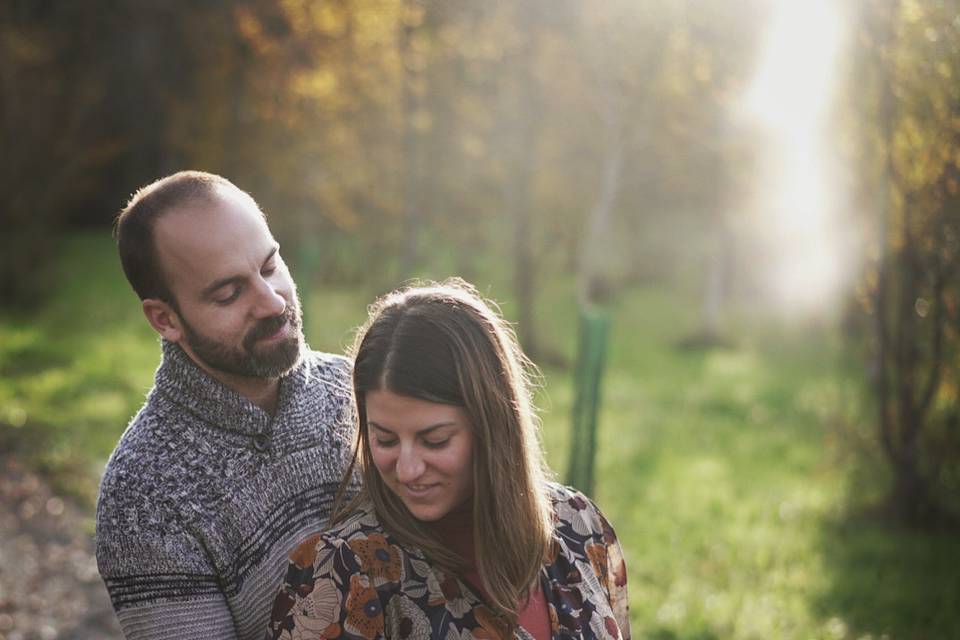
column 262, row 392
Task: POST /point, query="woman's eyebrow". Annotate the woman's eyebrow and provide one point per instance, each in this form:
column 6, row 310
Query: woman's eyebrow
column 446, row 423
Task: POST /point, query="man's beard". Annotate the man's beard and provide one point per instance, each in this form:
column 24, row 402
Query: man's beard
column 247, row 360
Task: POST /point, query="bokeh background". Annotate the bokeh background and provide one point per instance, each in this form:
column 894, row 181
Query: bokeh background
column 760, row 199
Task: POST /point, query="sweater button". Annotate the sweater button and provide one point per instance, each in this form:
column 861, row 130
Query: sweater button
column 261, row 442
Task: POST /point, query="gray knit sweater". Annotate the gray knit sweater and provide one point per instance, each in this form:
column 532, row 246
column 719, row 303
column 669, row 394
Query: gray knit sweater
column 206, row 493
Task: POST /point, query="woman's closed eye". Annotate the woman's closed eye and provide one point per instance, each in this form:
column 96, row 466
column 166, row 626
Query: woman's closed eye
column 387, row 442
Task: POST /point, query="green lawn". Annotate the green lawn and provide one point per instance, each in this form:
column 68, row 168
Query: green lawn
column 724, row 471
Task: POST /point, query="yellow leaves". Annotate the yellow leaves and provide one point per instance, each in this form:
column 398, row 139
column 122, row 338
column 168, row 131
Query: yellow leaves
column 921, row 70
column 412, row 14
column 330, row 20
column 376, row 23
column 912, row 11
column 252, row 32
column 421, row 120
column 320, row 84
column 923, row 143
column 307, row 18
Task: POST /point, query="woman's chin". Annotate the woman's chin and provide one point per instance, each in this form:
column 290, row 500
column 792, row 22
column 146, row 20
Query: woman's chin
column 425, row 513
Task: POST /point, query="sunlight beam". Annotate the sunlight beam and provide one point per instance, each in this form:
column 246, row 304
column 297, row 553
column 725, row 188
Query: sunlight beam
column 789, row 101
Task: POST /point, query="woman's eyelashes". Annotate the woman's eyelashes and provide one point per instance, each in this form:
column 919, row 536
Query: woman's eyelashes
column 386, row 443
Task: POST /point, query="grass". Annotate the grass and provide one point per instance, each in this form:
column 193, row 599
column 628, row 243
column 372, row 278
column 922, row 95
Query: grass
column 723, row 470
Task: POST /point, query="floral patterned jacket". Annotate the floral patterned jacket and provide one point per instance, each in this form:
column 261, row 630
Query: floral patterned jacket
column 354, row 581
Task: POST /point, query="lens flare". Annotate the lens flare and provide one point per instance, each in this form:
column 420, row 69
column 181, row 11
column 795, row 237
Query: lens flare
column 798, row 199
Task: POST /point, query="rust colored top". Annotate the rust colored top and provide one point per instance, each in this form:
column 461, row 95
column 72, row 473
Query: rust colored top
column 456, row 529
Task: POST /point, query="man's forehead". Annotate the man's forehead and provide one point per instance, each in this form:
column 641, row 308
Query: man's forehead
column 221, row 203
column 202, row 242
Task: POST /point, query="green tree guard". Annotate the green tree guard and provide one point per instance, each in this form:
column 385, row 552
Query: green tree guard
column 591, row 357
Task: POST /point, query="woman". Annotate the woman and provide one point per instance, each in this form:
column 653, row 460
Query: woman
column 456, row 532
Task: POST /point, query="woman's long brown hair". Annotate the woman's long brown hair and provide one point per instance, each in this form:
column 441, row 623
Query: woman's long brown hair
column 442, row 342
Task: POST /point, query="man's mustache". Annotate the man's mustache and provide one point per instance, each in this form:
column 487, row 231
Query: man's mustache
column 269, row 326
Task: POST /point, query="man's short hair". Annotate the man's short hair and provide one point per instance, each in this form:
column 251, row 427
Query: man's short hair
column 135, row 223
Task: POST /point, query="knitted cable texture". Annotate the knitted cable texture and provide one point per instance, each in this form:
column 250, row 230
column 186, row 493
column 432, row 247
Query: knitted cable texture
column 206, row 493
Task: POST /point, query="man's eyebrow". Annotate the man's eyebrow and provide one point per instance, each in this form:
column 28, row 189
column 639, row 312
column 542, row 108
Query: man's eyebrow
column 222, row 282
column 273, row 252
column 421, row 432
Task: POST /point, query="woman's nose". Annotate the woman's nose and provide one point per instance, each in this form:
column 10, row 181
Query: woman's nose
column 410, row 465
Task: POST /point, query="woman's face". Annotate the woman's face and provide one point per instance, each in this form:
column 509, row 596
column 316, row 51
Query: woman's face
column 423, row 451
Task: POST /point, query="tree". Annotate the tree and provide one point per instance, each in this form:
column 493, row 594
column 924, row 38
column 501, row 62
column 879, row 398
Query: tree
column 913, row 56
column 52, row 87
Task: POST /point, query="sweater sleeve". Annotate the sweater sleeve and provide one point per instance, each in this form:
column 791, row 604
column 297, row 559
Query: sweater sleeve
column 203, row 618
column 160, row 580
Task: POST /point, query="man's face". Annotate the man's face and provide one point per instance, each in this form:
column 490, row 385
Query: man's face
column 236, row 303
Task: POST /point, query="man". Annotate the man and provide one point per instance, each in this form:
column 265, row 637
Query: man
column 239, row 449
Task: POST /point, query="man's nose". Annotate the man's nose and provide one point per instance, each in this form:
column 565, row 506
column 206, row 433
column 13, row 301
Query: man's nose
column 410, row 465
column 269, row 301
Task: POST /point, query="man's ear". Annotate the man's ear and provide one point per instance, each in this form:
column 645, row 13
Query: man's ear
column 163, row 319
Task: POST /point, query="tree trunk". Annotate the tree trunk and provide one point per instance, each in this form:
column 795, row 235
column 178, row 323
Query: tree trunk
column 594, row 286
column 908, row 345
column 410, row 152
column 520, row 106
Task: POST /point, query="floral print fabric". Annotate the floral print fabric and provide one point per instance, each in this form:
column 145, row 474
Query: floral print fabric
column 355, row 582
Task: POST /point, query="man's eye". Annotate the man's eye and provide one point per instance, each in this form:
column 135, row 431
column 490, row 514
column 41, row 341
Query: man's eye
column 233, row 296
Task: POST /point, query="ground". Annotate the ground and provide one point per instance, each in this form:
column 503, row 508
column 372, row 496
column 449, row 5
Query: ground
column 49, row 585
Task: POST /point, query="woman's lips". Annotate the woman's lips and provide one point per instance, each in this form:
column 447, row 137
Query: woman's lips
column 418, row 490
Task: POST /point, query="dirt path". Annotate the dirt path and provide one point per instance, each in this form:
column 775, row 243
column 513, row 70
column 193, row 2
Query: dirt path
column 49, row 585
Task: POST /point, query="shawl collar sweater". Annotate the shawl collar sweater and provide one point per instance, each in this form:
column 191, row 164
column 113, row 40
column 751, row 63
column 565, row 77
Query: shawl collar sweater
column 206, row 493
